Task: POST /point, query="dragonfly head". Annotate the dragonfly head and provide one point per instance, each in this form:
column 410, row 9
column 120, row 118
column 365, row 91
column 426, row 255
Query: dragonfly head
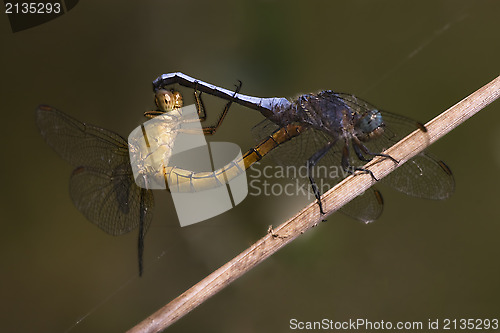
column 370, row 125
column 168, row 100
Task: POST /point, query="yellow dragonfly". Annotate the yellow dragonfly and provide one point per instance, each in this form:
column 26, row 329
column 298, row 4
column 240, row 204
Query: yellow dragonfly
column 102, row 185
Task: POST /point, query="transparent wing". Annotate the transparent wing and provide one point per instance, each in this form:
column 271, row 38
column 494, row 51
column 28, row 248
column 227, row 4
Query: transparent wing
column 80, row 143
column 396, row 126
column 424, row 176
column 327, row 173
column 295, row 152
column 102, row 185
column 111, row 200
column 365, row 208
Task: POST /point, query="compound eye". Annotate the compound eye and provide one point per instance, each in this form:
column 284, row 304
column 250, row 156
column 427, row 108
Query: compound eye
column 167, row 100
column 370, row 125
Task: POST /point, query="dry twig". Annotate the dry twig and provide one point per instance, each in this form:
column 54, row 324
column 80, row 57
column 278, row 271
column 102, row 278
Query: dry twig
column 308, row 217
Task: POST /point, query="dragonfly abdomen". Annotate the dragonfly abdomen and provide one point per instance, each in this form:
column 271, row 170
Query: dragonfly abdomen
column 181, row 180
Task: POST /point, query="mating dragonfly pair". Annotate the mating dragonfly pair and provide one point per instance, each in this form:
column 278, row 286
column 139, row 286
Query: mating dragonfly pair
column 315, row 131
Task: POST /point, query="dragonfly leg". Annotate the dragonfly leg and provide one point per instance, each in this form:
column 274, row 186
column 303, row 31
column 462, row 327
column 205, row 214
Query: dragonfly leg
column 359, row 154
column 154, row 113
column 346, row 165
column 352, row 170
column 311, row 163
column 200, row 106
column 360, row 147
column 209, row 130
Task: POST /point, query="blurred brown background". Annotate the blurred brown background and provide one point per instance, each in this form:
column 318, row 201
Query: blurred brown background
column 421, row 260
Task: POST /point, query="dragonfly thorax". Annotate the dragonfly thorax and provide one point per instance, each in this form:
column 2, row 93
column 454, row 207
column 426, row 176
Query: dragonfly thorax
column 370, row 125
column 168, row 100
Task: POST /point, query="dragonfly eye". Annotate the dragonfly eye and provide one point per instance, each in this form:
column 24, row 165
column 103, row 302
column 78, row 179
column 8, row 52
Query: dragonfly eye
column 168, row 100
column 370, row 125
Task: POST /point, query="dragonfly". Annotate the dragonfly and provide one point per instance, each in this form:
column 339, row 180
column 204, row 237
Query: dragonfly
column 102, row 184
column 103, row 188
column 334, row 130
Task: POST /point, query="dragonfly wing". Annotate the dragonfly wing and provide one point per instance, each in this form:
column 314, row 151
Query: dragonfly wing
column 112, row 201
column 396, row 126
column 102, row 185
column 263, row 129
column 295, row 152
column 365, row 208
column 328, row 171
column 424, row 176
column 80, row 143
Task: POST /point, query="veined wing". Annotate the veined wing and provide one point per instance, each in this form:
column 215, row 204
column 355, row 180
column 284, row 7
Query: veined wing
column 80, row 143
column 101, row 186
column 424, row 176
column 327, row 173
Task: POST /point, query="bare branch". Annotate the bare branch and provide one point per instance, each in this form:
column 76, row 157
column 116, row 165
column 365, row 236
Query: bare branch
column 310, row 216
